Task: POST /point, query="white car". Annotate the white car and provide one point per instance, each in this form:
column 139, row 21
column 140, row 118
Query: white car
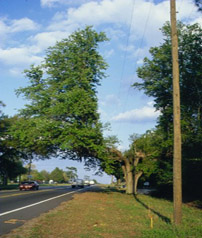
column 78, row 183
column 87, row 182
column 92, row 182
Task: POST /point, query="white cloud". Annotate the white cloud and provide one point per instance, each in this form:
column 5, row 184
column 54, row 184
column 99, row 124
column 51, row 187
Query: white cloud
column 26, row 55
column 95, row 13
column 115, row 33
column 23, row 24
column 54, row 3
column 105, row 11
column 17, row 25
column 50, row 3
column 128, row 48
column 19, row 56
column 15, row 71
column 107, row 54
column 45, row 39
column 148, row 17
column 142, row 115
column 8, row 29
column 103, row 114
column 3, row 28
column 140, row 62
column 151, row 103
column 197, row 20
column 135, row 51
column 110, row 100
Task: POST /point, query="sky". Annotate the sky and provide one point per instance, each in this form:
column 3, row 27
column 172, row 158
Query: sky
column 29, row 27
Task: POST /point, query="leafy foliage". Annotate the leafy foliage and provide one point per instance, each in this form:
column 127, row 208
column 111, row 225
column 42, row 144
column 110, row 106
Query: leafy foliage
column 62, row 115
column 199, row 5
column 57, row 175
column 10, row 155
column 71, row 173
column 156, row 75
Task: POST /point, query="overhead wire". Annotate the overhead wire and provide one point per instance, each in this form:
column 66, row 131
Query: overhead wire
column 127, row 43
column 126, row 52
column 140, row 46
column 179, row 5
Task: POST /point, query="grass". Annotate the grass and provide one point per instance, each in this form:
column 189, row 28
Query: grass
column 9, row 186
column 109, row 213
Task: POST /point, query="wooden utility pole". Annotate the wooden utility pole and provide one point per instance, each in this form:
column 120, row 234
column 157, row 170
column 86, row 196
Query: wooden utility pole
column 177, row 160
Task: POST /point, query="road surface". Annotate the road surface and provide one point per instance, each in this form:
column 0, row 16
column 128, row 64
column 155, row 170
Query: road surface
column 18, row 206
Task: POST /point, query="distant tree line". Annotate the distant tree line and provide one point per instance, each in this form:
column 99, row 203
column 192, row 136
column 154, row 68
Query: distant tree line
column 57, row 175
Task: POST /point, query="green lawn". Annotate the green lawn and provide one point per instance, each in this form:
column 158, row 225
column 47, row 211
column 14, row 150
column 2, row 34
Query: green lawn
column 112, row 214
column 9, row 186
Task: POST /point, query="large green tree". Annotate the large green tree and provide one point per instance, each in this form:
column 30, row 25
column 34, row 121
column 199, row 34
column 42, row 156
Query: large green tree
column 110, row 162
column 62, row 117
column 10, row 155
column 57, row 175
column 156, row 75
column 71, row 173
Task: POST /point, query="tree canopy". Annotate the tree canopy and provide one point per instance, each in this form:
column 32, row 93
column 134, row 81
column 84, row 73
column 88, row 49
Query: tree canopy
column 57, row 175
column 10, row 155
column 156, row 75
column 62, row 116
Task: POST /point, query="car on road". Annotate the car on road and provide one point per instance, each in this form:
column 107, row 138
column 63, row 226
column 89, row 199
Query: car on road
column 92, row 182
column 29, row 185
column 87, row 182
column 78, row 183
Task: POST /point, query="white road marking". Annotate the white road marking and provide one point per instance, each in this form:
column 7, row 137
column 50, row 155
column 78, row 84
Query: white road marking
column 37, row 203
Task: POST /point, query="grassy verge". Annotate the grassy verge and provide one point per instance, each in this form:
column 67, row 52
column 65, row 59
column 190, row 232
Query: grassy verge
column 9, row 186
column 111, row 214
column 53, row 185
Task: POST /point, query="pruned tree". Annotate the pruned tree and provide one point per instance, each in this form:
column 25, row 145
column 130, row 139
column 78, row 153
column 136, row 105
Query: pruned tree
column 134, row 162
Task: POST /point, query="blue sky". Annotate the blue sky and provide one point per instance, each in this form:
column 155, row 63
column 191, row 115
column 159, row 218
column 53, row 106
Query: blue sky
column 28, row 27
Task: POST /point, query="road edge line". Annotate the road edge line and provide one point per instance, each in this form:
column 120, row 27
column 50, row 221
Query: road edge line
column 37, row 203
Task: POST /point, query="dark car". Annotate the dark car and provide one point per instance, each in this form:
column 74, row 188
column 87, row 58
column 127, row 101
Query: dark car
column 78, row 183
column 29, row 185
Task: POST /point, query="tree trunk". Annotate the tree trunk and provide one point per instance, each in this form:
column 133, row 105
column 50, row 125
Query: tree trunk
column 129, row 182
column 5, row 179
column 112, row 179
column 118, row 182
column 124, row 171
column 136, row 178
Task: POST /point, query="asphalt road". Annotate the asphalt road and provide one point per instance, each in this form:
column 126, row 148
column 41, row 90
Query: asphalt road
column 18, row 206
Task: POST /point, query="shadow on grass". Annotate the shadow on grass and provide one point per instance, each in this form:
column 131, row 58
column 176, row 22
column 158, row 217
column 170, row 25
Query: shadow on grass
column 162, row 217
column 109, row 190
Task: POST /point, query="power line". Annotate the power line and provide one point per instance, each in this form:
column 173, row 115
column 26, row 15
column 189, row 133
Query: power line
column 140, row 46
column 127, row 42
